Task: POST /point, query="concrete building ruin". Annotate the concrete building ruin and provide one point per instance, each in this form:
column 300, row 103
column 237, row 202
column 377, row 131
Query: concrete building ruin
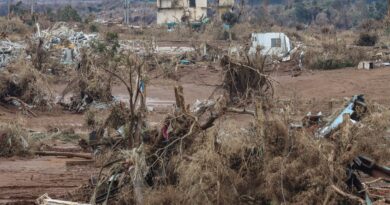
column 224, row 6
column 173, row 10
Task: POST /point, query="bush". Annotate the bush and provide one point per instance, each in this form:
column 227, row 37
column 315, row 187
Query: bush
column 366, row 39
column 98, row 46
column 112, row 37
column 333, row 55
column 68, row 14
column 94, row 28
column 90, row 117
column 329, row 64
column 13, row 141
column 13, row 26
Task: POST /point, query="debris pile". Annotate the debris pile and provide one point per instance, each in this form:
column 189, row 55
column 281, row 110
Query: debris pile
column 246, row 79
column 9, row 51
column 60, row 33
column 66, row 40
column 24, row 86
column 188, row 160
column 92, row 85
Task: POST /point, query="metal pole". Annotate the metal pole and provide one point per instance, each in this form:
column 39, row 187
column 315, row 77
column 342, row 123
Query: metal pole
column 127, row 11
column 126, row 17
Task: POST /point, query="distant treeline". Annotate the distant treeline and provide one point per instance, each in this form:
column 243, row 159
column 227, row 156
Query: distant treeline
column 340, row 13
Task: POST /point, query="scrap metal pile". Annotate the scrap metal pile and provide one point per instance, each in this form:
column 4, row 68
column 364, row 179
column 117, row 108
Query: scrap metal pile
column 61, row 37
column 9, row 51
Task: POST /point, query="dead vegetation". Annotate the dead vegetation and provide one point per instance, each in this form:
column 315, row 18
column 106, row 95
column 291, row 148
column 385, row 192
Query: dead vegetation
column 13, row 141
column 39, row 55
column 23, row 82
column 334, row 55
column 90, row 85
column 247, row 78
column 189, row 162
column 8, row 29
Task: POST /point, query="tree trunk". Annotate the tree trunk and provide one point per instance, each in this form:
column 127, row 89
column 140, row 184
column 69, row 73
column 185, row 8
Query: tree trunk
column 9, row 9
column 32, row 7
column 388, row 8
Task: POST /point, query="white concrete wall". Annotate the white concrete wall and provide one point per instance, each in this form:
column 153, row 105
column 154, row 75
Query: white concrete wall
column 174, row 15
column 173, row 3
column 173, row 10
column 201, row 3
column 164, row 3
column 226, row 3
column 169, row 15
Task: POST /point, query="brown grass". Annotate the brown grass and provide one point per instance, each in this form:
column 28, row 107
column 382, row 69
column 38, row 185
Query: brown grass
column 22, row 81
column 13, row 141
column 266, row 163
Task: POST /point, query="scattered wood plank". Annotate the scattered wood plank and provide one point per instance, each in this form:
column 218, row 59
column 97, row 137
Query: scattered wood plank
column 241, row 111
column 23, row 104
column 79, row 163
column 63, row 154
column 352, row 197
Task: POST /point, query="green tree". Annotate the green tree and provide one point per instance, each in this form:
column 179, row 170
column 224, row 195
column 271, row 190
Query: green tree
column 302, row 13
column 68, row 14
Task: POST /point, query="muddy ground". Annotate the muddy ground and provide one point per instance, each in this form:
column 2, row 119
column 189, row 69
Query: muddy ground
column 24, row 179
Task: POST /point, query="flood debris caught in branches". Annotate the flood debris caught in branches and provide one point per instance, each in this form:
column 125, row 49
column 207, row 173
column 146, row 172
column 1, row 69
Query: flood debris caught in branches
column 246, row 79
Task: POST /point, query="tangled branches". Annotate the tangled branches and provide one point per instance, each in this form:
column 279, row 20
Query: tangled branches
column 245, row 80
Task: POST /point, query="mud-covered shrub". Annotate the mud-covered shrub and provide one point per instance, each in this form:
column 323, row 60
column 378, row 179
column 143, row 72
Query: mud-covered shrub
column 333, row 55
column 26, row 84
column 13, row 141
column 94, row 28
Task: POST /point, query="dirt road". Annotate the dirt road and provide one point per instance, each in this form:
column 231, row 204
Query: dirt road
column 24, row 180
column 325, row 85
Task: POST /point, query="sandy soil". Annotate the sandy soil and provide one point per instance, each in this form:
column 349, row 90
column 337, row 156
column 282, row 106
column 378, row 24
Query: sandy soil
column 325, row 85
column 26, row 179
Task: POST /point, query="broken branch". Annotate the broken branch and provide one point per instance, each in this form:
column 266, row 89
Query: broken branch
column 63, row 154
column 342, row 193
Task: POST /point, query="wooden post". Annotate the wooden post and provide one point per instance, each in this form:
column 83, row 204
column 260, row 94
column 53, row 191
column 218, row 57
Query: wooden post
column 345, row 131
column 260, row 117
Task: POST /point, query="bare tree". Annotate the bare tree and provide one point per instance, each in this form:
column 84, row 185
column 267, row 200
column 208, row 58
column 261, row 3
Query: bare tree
column 32, row 7
column 388, row 8
column 9, row 9
column 129, row 71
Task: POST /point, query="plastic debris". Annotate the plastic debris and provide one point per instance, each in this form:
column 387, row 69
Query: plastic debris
column 46, row 200
column 351, row 109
